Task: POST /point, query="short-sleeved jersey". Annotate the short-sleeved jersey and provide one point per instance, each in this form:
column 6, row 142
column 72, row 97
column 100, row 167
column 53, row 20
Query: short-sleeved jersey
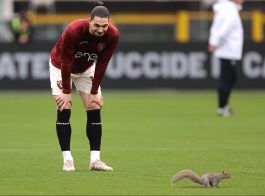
column 77, row 49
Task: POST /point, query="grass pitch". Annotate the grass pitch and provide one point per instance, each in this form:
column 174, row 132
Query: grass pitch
column 147, row 138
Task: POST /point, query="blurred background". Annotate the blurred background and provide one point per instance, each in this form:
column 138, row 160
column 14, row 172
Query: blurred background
column 163, row 43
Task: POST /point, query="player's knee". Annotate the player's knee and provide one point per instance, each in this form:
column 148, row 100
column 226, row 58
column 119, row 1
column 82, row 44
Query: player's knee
column 94, row 106
column 64, row 107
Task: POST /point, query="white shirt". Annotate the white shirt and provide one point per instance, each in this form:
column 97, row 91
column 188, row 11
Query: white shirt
column 227, row 31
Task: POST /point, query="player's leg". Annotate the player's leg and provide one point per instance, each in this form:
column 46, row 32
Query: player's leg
column 224, row 87
column 63, row 126
column 94, row 124
column 232, row 77
column 94, row 133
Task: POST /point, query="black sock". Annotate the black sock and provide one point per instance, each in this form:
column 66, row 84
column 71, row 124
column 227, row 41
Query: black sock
column 63, row 129
column 94, row 129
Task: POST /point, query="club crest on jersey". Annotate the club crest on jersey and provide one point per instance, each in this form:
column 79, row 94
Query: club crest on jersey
column 101, row 46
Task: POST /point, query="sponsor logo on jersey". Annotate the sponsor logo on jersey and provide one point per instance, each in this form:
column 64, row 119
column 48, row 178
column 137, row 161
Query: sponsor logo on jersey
column 90, row 57
column 101, row 46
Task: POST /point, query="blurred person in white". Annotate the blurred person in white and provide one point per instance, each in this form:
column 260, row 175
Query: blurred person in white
column 226, row 43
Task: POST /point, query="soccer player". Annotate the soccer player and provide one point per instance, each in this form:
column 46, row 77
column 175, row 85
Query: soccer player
column 226, row 42
column 81, row 55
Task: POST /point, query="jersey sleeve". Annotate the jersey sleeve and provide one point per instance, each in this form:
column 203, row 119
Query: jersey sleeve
column 103, row 61
column 221, row 26
column 68, row 50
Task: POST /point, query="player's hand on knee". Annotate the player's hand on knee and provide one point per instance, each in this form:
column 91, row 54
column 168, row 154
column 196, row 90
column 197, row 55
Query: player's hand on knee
column 64, row 101
column 95, row 102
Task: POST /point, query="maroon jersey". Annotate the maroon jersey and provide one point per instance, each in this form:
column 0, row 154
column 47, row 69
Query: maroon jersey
column 76, row 50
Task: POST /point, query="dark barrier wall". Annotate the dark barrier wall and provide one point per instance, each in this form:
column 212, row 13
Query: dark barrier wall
column 67, row 6
column 136, row 66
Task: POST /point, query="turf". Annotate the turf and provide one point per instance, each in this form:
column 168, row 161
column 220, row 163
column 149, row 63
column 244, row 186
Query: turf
column 148, row 137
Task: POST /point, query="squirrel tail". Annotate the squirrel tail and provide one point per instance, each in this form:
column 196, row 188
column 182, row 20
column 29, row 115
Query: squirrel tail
column 186, row 174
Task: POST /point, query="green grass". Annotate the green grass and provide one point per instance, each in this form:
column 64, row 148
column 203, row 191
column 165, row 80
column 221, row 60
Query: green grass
column 148, row 136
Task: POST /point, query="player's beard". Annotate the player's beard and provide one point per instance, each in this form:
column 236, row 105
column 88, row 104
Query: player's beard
column 98, row 34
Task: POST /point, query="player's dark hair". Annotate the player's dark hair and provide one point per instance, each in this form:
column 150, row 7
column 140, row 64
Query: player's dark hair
column 100, row 11
column 97, row 2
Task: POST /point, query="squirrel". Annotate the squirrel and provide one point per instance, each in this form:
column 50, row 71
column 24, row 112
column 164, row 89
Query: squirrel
column 207, row 179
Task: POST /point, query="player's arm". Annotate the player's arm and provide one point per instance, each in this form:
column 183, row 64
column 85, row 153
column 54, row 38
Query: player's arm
column 221, row 26
column 95, row 100
column 68, row 52
column 64, row 100
column 103, row 61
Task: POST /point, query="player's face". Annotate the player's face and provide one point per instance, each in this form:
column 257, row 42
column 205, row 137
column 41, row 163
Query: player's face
column 98, row 26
